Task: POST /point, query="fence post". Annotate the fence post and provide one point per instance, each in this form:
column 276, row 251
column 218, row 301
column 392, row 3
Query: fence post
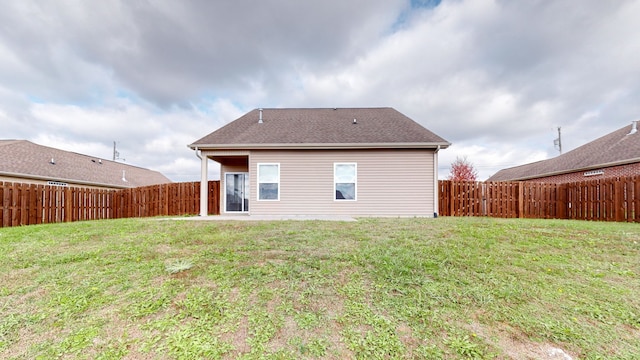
column 452, row 202
column 636, row 199
column 484, row 198
column 618, row 202
column 66, row 214
column 520, row 186
column 2, row 208
column 561, row 201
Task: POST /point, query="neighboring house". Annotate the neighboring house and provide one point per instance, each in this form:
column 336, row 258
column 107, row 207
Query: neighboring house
column 615, row 154
column 25, row 162
column 349, row 161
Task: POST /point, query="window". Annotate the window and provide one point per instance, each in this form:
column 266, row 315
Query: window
column 594, row 172
column 345, row 179
column 57, row 183
column 268, row 181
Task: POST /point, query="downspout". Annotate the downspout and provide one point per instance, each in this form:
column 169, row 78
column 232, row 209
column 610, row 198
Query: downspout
column 436, row 193
column 204, row 184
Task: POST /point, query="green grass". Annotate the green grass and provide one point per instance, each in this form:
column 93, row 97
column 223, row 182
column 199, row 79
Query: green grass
column 452, row 288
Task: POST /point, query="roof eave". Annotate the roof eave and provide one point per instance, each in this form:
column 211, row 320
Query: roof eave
column 73, row 181
column 585, row 168
column 323, row 146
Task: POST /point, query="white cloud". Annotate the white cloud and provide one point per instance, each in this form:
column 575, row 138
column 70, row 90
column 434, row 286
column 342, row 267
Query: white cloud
column 495, row 78
column 145, row 136
column 487, row 159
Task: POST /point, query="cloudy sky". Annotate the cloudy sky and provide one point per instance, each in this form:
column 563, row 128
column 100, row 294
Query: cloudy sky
column 495, row 78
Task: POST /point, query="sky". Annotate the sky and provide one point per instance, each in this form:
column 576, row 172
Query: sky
column 495, row 78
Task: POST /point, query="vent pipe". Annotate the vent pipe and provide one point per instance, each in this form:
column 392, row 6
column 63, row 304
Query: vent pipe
column 634, row 128
column 260, row 119
column 123, row 177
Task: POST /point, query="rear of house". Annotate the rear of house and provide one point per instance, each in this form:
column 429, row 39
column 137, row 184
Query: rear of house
column 364, row 162
column 356, row 182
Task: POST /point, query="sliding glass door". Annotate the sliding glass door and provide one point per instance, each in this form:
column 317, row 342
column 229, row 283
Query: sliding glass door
column 236, row 192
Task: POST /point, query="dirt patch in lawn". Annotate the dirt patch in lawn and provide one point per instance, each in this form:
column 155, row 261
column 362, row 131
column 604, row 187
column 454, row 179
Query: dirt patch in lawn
column 238, row 339
column 516, row 345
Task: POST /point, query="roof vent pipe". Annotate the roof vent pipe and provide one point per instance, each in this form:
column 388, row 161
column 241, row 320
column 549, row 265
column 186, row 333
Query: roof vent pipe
column 634, row 128
column 260, row 119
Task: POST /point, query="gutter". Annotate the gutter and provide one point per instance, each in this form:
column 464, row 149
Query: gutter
column 568, row 171
column 323, row 146
column 72, row 181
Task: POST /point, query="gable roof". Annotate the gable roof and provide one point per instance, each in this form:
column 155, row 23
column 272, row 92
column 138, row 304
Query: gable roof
column 24, row 159
column 617, row 148
column 321, row 128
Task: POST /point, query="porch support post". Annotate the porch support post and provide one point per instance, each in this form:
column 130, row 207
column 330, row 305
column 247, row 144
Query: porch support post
column 204, row 186
column 436, row 185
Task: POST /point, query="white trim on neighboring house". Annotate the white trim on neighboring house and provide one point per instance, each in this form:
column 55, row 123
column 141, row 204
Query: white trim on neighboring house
column 258, row 182
column 355, row 181
column 17, row 177
column 576, row 170
column 594, row 172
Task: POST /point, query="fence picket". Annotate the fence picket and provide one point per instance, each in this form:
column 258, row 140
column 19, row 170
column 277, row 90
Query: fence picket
column 612, row 199
column 29, row 204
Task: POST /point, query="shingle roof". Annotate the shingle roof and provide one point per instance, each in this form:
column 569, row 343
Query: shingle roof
column 616, row 148
column 22, row 158
column 317, row 127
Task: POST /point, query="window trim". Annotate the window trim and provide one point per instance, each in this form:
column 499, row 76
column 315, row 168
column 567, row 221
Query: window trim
column 258, row 181
column 355, row 183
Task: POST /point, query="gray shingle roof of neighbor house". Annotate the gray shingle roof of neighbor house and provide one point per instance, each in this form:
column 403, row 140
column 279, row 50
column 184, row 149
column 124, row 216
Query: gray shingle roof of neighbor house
column 617, row 148
column 22, row 158
column 322, row 128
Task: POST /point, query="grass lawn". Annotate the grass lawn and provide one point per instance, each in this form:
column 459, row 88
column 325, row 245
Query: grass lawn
column 373, row 289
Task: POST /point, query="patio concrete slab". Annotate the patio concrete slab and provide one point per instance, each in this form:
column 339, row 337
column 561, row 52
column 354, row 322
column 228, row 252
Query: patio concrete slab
column 266, row 218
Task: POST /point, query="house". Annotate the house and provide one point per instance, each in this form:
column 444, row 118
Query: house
column 612, row 155
column 25, row 162
column 342, row 161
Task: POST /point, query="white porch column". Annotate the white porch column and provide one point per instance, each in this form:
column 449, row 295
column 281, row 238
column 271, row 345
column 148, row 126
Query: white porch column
column 204, row 185
column 436, row 186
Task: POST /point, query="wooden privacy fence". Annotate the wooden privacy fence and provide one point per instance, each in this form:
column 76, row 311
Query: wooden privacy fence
column 28, row 204
column 612, row 199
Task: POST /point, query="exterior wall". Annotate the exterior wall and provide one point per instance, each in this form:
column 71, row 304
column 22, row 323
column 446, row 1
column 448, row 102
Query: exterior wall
column 392, row 182
column 614, row 171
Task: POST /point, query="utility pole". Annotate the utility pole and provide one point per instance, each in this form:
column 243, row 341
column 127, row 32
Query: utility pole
column 116, row 154
column 558, row 142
